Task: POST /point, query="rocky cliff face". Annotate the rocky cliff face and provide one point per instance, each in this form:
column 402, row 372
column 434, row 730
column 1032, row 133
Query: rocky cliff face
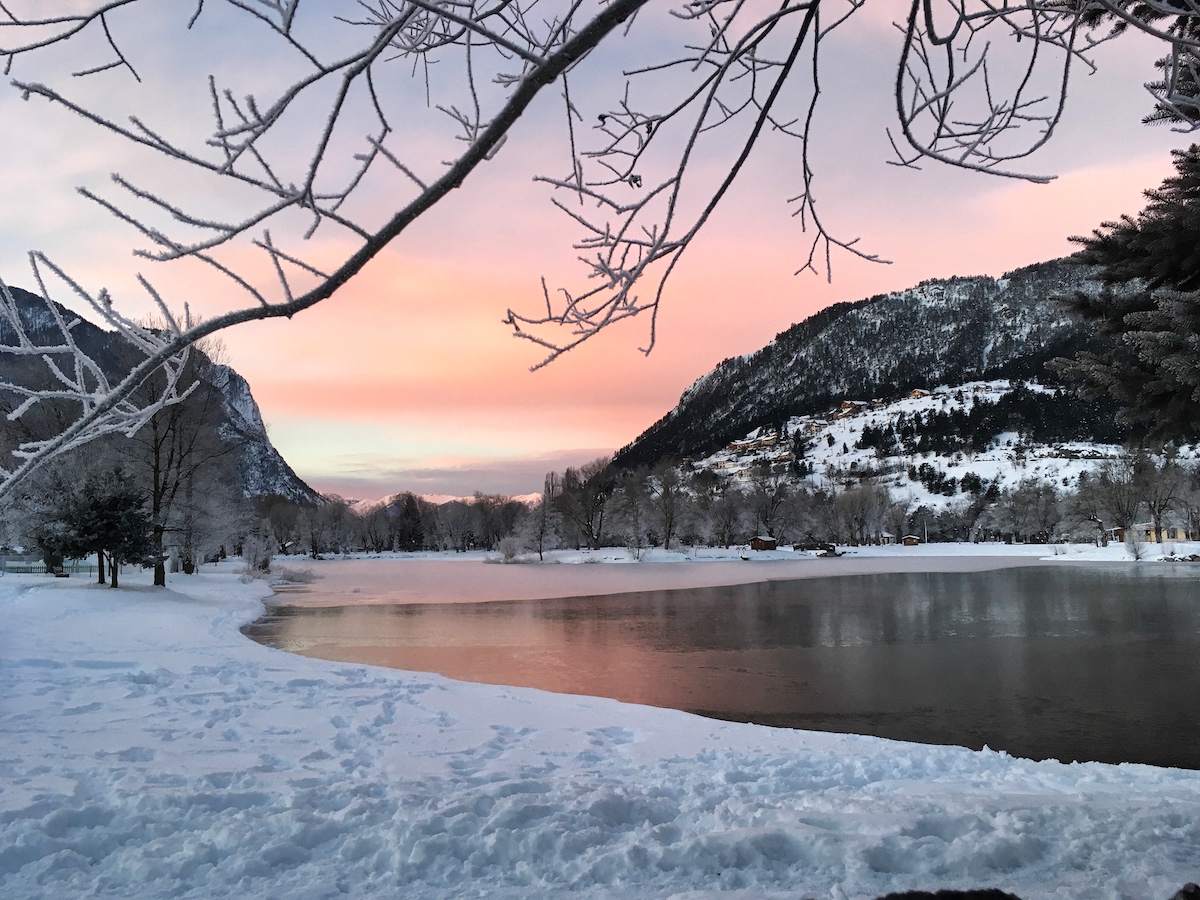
column 264, row 472
column 939, row 332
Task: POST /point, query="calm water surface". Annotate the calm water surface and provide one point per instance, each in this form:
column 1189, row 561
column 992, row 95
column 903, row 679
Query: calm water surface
column 1073, row 663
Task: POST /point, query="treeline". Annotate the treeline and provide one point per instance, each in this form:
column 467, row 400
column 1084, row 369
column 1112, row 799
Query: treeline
column 404, row 522
column 673, row 506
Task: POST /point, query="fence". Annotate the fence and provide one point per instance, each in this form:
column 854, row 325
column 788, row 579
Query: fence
column 37, row 567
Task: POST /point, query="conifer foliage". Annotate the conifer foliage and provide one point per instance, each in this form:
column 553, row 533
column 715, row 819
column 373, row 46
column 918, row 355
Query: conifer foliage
column 1150, row 306
column 107, row 517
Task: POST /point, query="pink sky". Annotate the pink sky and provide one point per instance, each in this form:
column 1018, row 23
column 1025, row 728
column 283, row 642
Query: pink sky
column 407, row 380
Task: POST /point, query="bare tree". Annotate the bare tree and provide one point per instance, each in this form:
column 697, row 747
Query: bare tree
column 313, row 530
column 315, row 144
column 768, row 496
column 178, row 446
column 457, row 526
column 862, row 509
column 1121, row 487
column 498, row 517
column 668, row 498
column 729, row 516
column 375, row 531
column 1030, row 509
column 1086, row 509
column 1164, row 482
column 1189, row 502
column 541, row 525
column 632, row 502
column 584, row 498
column 284, row 518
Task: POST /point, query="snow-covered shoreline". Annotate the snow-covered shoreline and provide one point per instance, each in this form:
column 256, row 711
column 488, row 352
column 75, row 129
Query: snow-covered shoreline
column 441, row 577
column 149, row 750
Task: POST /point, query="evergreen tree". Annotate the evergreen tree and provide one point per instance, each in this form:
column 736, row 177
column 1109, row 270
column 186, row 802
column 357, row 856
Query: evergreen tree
column 1150, row 306
column 1176, row 93
column 410, row 529
column 108, row 517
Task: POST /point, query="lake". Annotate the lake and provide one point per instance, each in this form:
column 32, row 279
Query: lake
column 1071, row 662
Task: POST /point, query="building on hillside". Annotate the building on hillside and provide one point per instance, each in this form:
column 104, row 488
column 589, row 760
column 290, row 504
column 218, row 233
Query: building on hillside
column 763, row 542
column 762, row 442
column 850, row 408
column 910, row 540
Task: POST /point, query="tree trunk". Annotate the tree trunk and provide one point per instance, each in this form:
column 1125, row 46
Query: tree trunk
column 160, row 563
column 100, row 565
column 156, row 508
column 112, row 566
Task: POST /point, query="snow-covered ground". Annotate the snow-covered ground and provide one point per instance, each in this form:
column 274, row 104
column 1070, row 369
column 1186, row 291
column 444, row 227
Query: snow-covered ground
column 147, row 749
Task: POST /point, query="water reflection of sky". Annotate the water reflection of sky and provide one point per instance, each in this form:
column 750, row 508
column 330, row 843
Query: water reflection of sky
column 1049, row 661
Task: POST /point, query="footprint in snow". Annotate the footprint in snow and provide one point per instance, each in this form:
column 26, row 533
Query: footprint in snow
column 612, row 735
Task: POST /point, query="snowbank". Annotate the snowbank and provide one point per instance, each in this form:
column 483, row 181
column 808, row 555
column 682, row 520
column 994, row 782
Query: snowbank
column 149, row 750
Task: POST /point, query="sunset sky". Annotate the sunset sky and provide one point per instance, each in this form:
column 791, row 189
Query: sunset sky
column 407, row 380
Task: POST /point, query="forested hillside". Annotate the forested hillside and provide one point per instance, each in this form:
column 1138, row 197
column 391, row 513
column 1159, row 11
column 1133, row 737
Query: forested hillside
column 941, row 332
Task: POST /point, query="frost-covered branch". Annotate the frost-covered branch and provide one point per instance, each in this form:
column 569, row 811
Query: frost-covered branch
column 55, row 370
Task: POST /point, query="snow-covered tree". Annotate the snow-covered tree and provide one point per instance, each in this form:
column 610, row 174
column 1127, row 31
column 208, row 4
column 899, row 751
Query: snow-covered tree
column 311, row 131
column 540, row 530
column 631, row 501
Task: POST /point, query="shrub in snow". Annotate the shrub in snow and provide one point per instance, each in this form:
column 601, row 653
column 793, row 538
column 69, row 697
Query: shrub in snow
column 510, row 548
column 296, row 576
column 256, row 553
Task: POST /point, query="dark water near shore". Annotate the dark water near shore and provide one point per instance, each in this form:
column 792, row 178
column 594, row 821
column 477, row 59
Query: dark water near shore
column 1073, row 663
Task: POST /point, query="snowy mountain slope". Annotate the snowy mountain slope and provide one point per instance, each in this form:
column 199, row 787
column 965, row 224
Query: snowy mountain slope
column 940, row 332
column 833, row 452
column 260, row 467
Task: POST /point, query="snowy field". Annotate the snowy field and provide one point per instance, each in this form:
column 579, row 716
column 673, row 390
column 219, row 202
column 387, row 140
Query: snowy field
column 148, row 749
